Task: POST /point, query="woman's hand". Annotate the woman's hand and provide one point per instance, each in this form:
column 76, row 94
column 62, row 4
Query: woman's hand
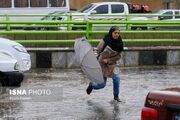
column 104, row 61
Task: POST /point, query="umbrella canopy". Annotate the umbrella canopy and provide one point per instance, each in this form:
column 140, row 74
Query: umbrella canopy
column 87, row 60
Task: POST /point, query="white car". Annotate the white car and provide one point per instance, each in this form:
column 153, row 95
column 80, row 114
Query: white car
column 168, row 14
column 14, row 61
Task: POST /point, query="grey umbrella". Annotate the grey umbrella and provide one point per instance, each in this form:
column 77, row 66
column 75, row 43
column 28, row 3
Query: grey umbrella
column 87, row 60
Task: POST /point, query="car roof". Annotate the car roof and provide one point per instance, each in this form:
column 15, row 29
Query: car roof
column 171, row 9
column 164, row 10
column 98, row 3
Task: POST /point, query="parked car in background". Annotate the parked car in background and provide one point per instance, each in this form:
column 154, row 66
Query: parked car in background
column 168, row 15
column 54, row 16
column 112, row 11
column 96, row 11
column 14, row 61
column 162, row 105
column 28, row 10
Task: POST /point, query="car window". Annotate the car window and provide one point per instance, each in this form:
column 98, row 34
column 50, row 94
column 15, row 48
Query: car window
column 177, row 13
column 103, row 9
column 86, row 8
column 170, row 13
column 53, row 16
column 117, row 8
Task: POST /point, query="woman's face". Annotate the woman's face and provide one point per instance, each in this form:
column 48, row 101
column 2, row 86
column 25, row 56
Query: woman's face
column 115, row 34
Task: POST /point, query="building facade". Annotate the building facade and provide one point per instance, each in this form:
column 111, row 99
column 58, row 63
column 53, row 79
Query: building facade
column 33, row 6
column 31, row 3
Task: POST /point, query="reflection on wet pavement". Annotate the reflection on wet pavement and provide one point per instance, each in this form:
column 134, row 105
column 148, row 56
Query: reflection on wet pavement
column 77, row 105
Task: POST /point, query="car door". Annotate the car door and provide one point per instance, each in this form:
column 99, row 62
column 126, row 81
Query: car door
column 118, row 10
column 177, row 15
column 166, row 15
column 99, row 13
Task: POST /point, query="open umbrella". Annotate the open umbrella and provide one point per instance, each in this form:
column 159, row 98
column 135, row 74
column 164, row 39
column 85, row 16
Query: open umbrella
column 87, row 60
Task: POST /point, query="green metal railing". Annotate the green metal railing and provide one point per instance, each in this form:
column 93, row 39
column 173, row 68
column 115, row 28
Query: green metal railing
column 126, row 41
column 7, row 28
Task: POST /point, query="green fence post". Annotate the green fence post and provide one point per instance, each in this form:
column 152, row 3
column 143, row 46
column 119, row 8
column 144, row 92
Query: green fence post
column 88, row 29
column 69, row 18
column 127, row 24
column 7, row 25
column 126, row 18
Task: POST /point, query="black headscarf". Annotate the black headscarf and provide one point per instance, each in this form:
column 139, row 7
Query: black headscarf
column 114, row 44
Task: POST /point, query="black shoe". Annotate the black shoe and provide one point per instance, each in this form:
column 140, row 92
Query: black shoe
column 117, row 99
column 89, row 89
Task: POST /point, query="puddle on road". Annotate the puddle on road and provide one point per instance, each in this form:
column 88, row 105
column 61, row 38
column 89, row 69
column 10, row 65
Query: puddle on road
column 77, row 105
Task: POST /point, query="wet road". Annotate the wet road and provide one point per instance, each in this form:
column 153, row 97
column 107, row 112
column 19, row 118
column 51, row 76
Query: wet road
column 75, row 104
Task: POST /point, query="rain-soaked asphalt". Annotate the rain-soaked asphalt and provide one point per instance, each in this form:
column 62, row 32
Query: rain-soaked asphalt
column 75, row 104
